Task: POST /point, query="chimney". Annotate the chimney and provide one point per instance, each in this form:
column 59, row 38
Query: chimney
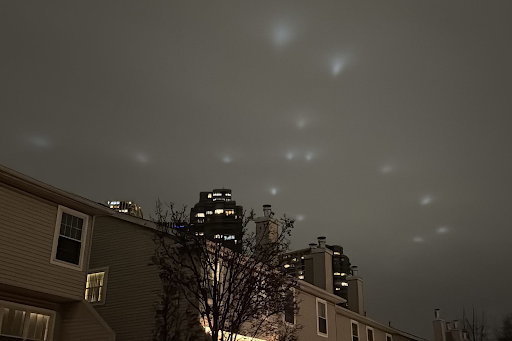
column 456, row 324
column 312, row 246
column 440, row 327
column 437, row 314
column 321, row 242
column 355, row 298
column 267, row 210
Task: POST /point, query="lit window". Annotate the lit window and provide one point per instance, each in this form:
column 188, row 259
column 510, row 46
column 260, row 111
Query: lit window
column 338, row 289
column 321, row 313
column 295, row 259
column 209, row 195
column 209, row 212
column 218, row 236
column 337, row 274
column 229, row 237
column 219, row 211
column 230, row 212
column 217, row 194
column 355, row 331
column 228, row 194
column 70, row 233
column 21, row 322
column 337, row 253
column 343, row 274
column 301, row 277
column 200, row 215
column 302, row 257
column 95, row 287
column 369, row 334
column 287, row 265
column 344, row 284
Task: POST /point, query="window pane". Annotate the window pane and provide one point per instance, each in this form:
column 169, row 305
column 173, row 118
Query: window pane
column 12, row 323
column 68, row 250
column 355, row 331
column 321, row 309
column 370, row 335
column 322, row 325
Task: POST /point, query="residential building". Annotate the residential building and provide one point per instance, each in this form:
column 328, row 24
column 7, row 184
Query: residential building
column 125, row 288
column 128, row 207
column 45, row 241
column 217, row 217
column 448, row 331
column 308, row 264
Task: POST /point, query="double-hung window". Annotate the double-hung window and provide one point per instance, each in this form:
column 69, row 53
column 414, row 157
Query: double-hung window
column 96, row 286
column 321, row 313
column 389, row 337
column 69, row 239
column 22, row 322
column 370, row 334
column 355, row 330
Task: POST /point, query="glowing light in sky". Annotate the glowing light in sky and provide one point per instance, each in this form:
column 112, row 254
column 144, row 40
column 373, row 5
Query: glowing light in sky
column 337, row 65
column 282, row 34
column 227, row 159
column 41, row 142
column 273, row 191
column 141, row 157
column 386, row 169
column 289, row 156
column 418, row 239
column 301, row 123
column 426, row 200
column 309, row 156
column 300, row 217
column 443, row 230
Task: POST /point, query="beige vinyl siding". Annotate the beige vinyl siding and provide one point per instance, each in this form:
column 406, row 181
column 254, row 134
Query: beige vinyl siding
column 27, row 227
column 80, row 322
column 133, row 287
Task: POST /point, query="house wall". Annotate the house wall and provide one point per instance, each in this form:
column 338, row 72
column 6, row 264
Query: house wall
column 27, row 227
column 133, row 286
column 307, row 318
column 80, row 322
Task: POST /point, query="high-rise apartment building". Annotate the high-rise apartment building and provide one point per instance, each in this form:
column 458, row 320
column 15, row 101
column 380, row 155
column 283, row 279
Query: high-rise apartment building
column 217, row 217
column 322, row 265
column 128, row 207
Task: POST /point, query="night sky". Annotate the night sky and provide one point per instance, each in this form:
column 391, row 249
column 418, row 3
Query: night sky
column 385, row 126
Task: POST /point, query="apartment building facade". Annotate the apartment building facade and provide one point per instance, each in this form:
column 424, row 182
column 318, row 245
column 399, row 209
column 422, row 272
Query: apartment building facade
column 45, row 240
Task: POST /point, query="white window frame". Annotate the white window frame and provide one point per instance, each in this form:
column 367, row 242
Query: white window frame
column 319, row 300
column 29, row 309
column 358, row 331
column 373, row 333
column 390, row 336
column 105, row 283
column 85, row 230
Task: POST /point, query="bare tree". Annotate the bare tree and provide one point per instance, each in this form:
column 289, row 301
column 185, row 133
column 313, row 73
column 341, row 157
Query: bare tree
column 233, row 293
column 505, row 332
column 475, row 325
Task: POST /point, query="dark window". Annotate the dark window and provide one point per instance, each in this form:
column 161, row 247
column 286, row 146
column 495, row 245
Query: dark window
column 370, row 334
column 355, row 332
column 70, row 239
column 322, row 318
column 289, row 311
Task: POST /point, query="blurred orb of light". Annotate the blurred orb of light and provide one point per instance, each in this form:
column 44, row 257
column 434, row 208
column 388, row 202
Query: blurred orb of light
column 289, row 156
column 282, row 34
column 301, row 123
column 443, row 230
column 426, row 200
column 309, row 156
column 337, row 65
column 386, row 169
column 40, row 142
column 227, row 159
column 418, row 239
column 273, row 191
column 300, row 217
column 141, row 157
